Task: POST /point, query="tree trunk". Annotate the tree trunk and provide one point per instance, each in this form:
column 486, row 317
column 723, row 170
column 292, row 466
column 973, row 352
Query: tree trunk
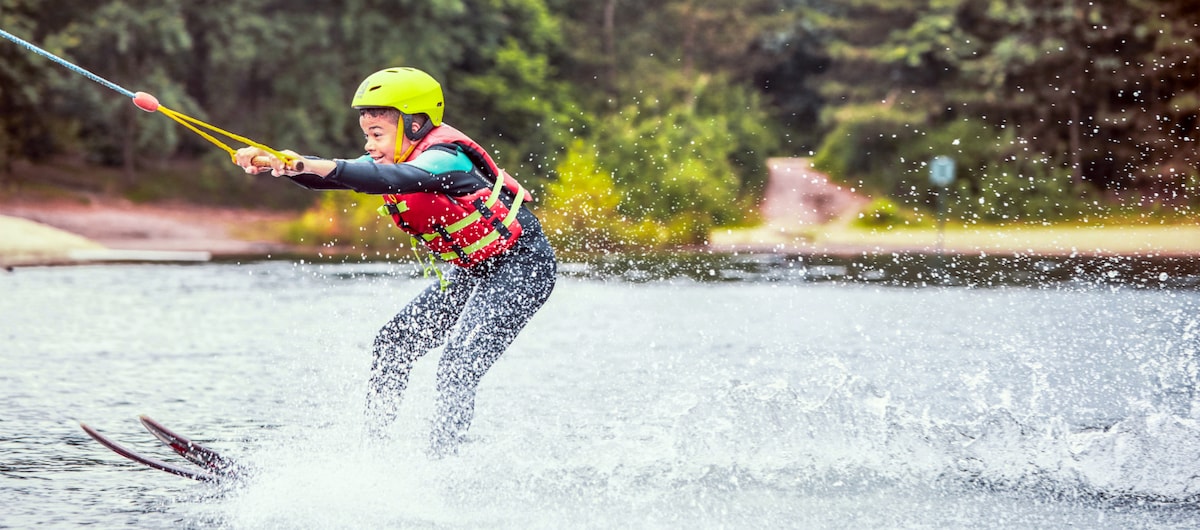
column 689, row 39
column 1075, row 142
column 127, row 145
column 610, row 46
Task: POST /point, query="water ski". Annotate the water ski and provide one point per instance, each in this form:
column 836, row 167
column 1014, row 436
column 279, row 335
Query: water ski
column 195, row 453
column 215, row 466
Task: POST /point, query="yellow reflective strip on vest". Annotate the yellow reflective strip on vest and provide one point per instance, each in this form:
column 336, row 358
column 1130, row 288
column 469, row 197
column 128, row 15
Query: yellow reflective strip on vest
column 492, row 236
column 516, row 207
column 496, row 189
column 473, row 247
column 476, row 215
column 464, row 222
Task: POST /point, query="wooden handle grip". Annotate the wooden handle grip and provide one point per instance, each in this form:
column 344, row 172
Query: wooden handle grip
column 265, row 161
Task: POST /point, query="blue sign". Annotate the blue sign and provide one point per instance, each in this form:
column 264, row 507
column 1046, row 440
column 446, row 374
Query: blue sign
column 941, row 171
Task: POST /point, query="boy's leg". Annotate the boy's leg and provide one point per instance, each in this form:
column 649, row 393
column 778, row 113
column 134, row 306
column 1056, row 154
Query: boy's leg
column 495, row 313
column 421, row 326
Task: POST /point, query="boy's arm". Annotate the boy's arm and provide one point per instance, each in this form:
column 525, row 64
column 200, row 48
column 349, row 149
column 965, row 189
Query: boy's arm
column 437, row 170
column 316, row 182
column 318, row 170
column 440, row 169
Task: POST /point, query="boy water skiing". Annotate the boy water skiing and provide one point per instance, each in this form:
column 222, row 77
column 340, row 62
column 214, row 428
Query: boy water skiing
column 447, row 192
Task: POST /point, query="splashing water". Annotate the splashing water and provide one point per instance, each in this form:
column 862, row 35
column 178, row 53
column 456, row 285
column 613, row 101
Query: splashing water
column 763, row 398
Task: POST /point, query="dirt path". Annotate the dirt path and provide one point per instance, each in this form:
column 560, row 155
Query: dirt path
column 798, row 196
column 798, row 199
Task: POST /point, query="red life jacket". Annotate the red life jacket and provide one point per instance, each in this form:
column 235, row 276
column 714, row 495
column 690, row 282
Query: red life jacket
column 467, row 229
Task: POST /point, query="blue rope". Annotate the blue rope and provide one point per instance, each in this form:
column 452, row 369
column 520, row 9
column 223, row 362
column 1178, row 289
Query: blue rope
column 64, row 62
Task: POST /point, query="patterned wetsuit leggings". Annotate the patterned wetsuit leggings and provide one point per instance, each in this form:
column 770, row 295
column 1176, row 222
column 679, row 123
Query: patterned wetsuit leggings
column 476, row 317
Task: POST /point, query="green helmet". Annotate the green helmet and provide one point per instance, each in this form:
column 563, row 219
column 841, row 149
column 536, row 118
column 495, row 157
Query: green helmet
column 407, row 90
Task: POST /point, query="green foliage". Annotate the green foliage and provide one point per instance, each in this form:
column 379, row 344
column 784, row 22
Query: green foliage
column 684, row 157
column 1046, row 106
column 124, row 41
column 27, row 129
column 883, row 213
column 532, row 105
column 580, row 208
column 1009, row 193
column 350, row 221
column 1092, row 91
column 997, row 180
column 865, row 145
column 683, row 154
column 980, row 152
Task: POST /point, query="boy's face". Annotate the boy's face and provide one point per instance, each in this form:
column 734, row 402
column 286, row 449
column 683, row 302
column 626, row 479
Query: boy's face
column 380, row 131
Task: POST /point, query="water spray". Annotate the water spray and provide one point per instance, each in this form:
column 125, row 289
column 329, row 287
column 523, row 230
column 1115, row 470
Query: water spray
column 149, row 103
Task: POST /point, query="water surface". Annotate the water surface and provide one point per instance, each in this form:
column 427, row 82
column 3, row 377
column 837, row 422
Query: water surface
column 719, row 391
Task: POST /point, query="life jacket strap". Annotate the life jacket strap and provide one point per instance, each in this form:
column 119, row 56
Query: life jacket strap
column 391, row 207
column 430, row 265
column 483, row 208
column 509, row 219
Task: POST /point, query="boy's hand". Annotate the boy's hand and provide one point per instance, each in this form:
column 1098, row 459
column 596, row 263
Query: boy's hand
column 254, row 161
column 246, row 156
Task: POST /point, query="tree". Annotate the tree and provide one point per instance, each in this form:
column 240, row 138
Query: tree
column 677, row 157
column 581, row 212
column 512, row 93
column 683, row 118
column 1091, row 87
column 124, row 41
column 26, row 117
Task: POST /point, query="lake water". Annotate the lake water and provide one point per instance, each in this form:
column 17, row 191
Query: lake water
column 698, row 392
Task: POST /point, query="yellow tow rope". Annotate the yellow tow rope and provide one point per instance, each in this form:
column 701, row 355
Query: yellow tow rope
column 194, row 125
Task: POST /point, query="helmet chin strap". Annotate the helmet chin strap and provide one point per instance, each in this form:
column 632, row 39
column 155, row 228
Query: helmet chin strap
column 400, row 158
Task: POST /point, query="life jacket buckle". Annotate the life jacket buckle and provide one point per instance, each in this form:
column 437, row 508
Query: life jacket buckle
column 391, row 208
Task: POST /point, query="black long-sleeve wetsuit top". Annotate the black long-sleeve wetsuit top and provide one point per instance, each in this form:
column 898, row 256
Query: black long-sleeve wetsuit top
column 440, row 169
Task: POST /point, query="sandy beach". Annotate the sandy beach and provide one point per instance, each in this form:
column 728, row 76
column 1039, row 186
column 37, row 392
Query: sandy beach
column 105, row 229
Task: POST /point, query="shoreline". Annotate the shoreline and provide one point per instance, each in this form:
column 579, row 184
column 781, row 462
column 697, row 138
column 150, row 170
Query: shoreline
column 26, row 243
column 62, row 232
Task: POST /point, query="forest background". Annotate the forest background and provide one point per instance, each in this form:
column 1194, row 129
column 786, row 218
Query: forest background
column 638, row 124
